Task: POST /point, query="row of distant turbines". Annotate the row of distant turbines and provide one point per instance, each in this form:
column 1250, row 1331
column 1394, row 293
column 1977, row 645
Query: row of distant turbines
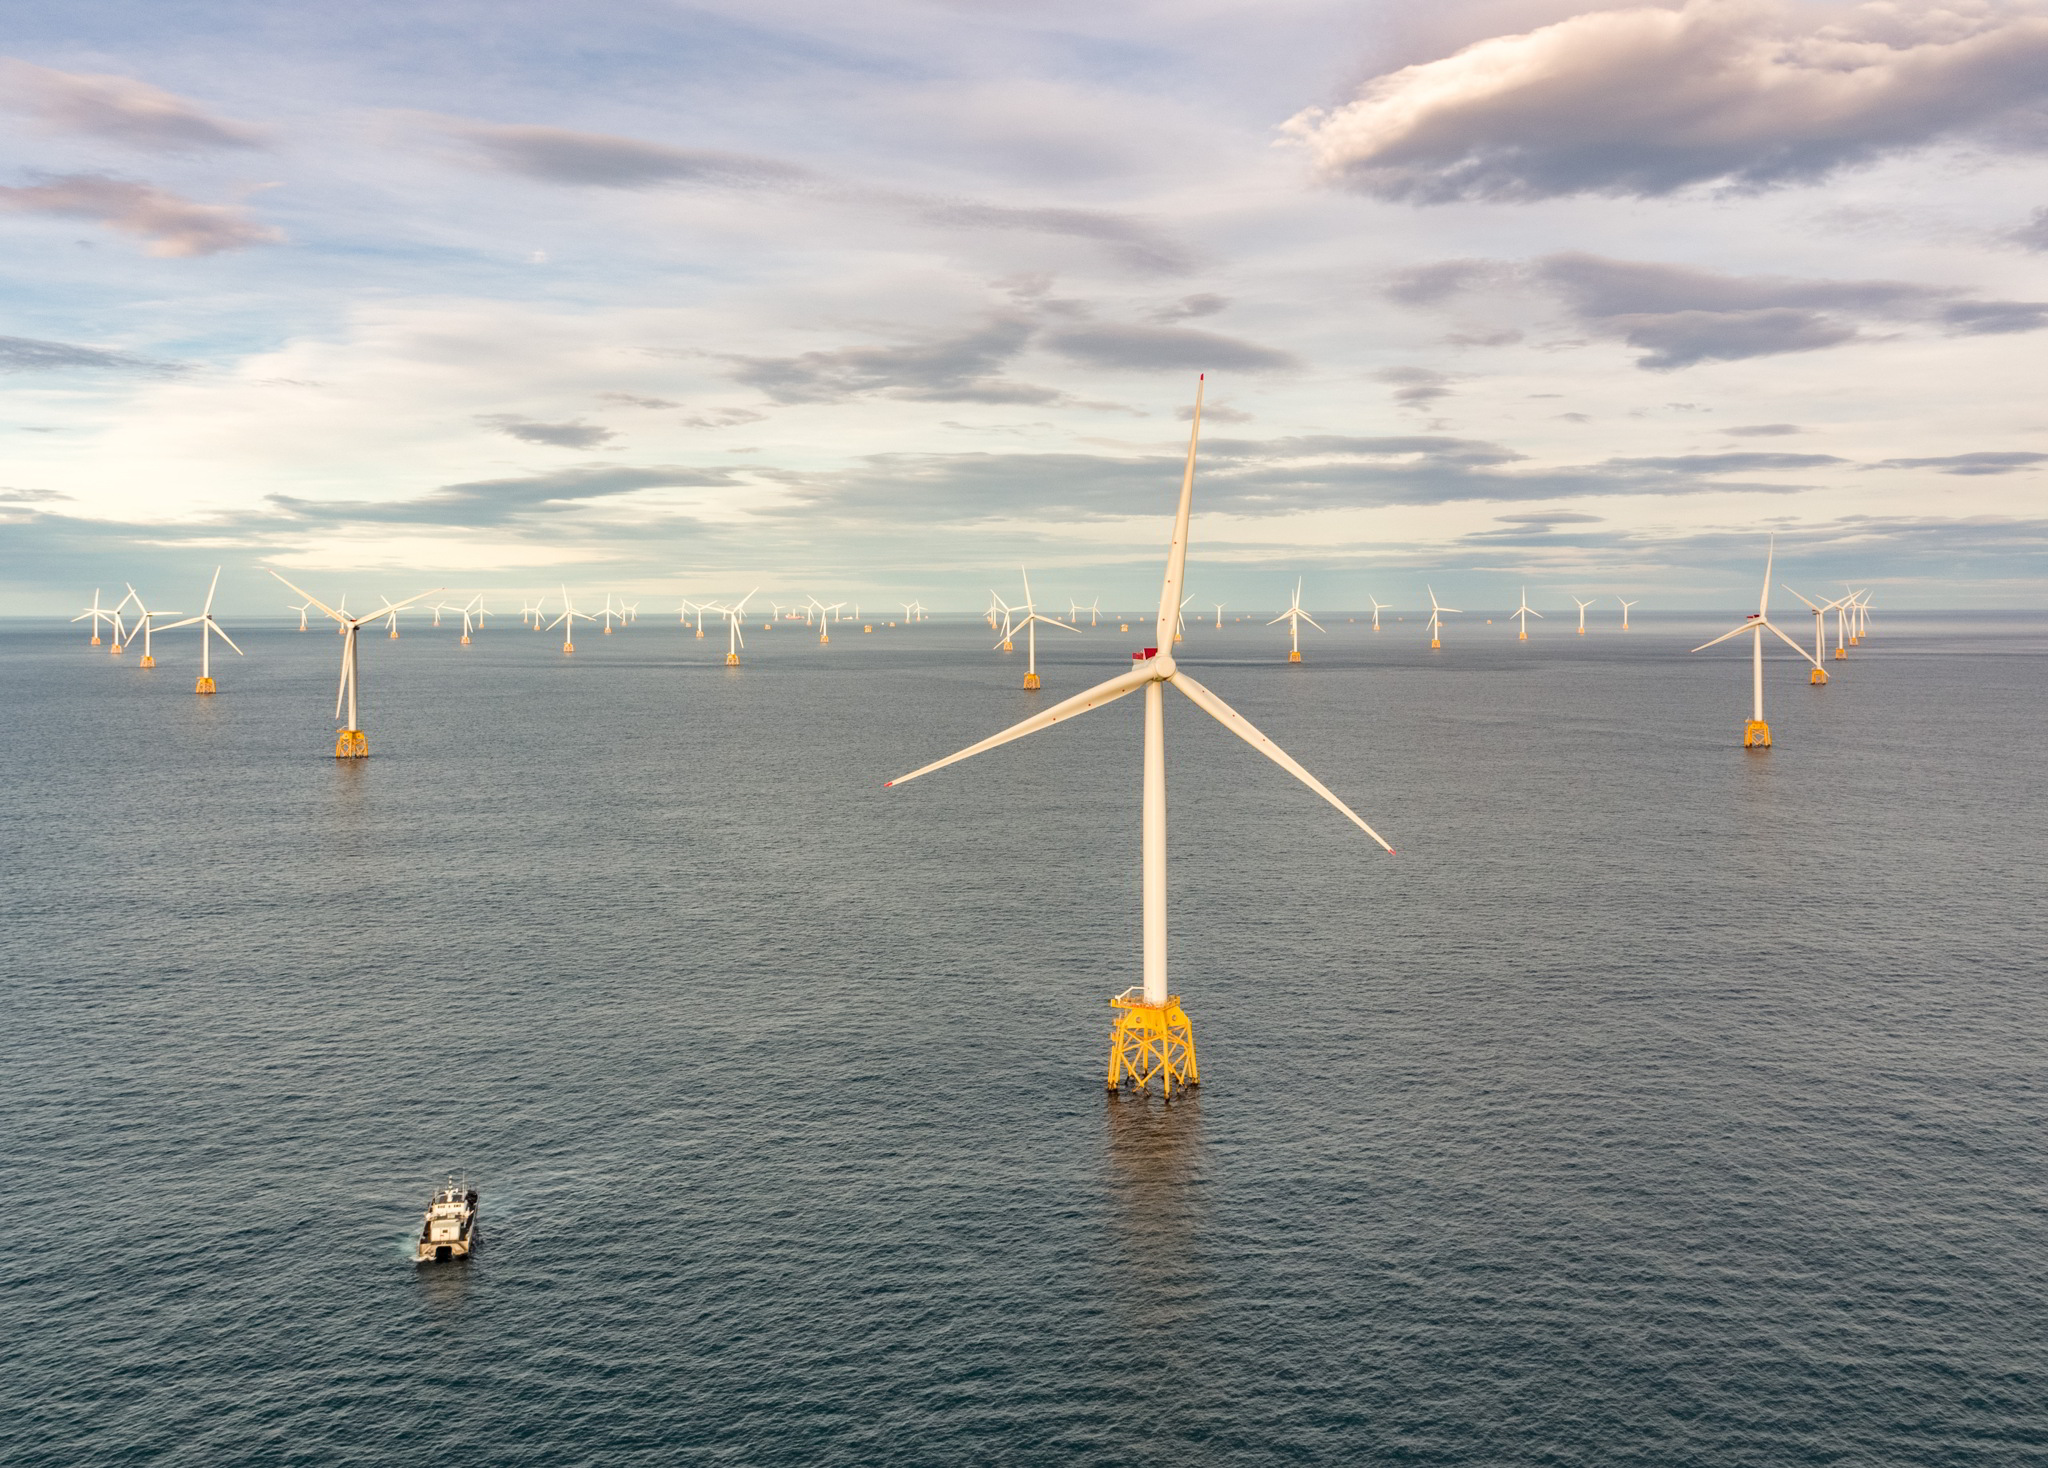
column 1151, row 1036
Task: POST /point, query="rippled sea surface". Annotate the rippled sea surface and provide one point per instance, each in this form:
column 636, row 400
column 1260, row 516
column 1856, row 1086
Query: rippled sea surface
column 1658, row 1104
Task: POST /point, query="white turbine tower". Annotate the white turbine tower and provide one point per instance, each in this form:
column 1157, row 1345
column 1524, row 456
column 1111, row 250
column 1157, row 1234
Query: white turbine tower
column 1523, row 613
column 1625, row 605
column 826, row 618
column 1152, row 1036
column 1436, row 618
column 98, row 614
column 1820, row 635
column 1029, row 626
column 208, row 630
column 146, row 620
column 1008, row 626
column 1757, row 734
column 467, row 612
column 121, row 634
column 302, row 608
column 1294, row 616
column 1219, row 616
column 529, row 611
column 1582, row 605
column 567, row 622
column 607, row 614
column 1094, row 611
column 1378, row 606
column 351, row 742
column 733, row 617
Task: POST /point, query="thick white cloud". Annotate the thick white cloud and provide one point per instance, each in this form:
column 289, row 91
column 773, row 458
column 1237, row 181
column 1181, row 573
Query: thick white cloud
column 1645, row 101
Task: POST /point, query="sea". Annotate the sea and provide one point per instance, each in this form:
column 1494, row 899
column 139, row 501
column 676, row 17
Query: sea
column 1659, row 1103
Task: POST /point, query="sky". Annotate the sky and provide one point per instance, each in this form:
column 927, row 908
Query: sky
column 887, row 300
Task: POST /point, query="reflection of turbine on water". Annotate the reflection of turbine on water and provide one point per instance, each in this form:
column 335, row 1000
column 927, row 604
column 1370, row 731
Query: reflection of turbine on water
column 1154, row 1151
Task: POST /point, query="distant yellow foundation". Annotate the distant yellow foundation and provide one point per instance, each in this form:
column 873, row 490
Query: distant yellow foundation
column 1435, row 642
column 1841, row 652
column 1756, row 734
column 568, row 647
column 1819, row 675
column 147, row 661
column 204, row 685
column 351, row 744
column 1031, row 680
column 1151, row 1042
column 1294, row 655
column 732, row 660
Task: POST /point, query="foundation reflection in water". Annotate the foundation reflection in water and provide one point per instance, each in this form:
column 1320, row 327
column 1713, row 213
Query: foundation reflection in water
column 1157, row 1179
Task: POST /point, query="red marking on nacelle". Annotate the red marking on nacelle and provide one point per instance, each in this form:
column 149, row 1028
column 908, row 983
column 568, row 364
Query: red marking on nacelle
column 1150, row 652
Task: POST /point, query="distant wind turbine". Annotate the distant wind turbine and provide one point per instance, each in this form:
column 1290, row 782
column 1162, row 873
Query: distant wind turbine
column 567, row 621
column 734, row 615
column 351, row 742
column 146, row 620
column 1820, row 635
column 1378, row 606
column 1152, row 1037
column 1436, row 618
column 208, row 630
column 1523, row 613
column 1582, row 613
column 1294, row 616
column 97, row 613
column 1756, row 734
column 1032, row 617
column 1625, row 605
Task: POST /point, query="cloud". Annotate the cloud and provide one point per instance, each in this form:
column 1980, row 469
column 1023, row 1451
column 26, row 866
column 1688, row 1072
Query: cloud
column 9, row 495
column 1764, row 430
column 118, row 108
column 2034, row 233
column 1544, row 519
column 634, row 400
column 1250, row 477
column 600, row 160
column 1681, row 315
column 1982, row 462
column 26, row 354
column 1137, row 244
column 175, row 227
column 963, row 368
column 1189, row 307
column 1739, row 463
column 723, row 418
column 496, row 501
column 1212, row 413
column 1164, row 348
column 1416, row 387
column 1643, row 101
column 578, row 435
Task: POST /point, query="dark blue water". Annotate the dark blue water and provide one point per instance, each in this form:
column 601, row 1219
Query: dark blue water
column 1658, row 1104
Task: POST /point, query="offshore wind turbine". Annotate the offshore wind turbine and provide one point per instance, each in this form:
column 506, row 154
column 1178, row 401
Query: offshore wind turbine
column 1151, row 1036
column 1294, row 616
column 1820, row 635
column 607, row 614
column 1436, row 619
column 825, row 619
column 1625, row 605
column 472, row 605
column 1378, row 606
column 1523, row 613
column 1756, row 734
column 146, row 620
column 1219, row 616
column 208, row 630
column 351, row 742
column 302, row 608
column 529, row 611
column 1032, row 617
column 734, row 615
column 1582, row 613
column 98, row 614
column 1008, row 626
column 567, row 622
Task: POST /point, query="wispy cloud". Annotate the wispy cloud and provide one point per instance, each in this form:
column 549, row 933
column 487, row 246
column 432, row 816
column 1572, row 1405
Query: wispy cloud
column 577, row 435
column 964, row 367
column 1165, row 348
column 1646, row 100
column 26, row 354
column 499, row 501
column 601, row 160
column 174, row 226
column 119, row 109
column 1986, row 461
column 1681, row 315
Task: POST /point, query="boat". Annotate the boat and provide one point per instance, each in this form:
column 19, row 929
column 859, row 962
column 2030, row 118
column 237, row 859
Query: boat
column 448, row 1227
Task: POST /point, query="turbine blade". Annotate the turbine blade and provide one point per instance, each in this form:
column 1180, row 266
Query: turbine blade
column 330, row 611
column 1745, row 627
column 1239, row 725
column 1313, row 622
column 210, row 591
column 221, row 632
column 1800, row 597
column 174, row 626
column 1080, row 703
column 1282, row 617
column 1177, row 548
column 1790, row 643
